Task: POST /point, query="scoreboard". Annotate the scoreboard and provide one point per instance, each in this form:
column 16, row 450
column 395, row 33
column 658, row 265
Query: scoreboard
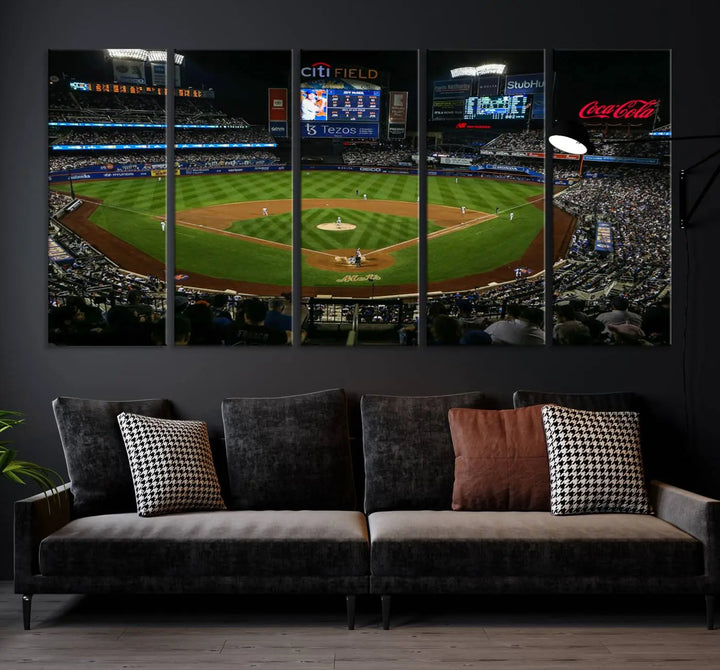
column 360, row 106
column 137, row 89
column 497, row 108
column 340, row 113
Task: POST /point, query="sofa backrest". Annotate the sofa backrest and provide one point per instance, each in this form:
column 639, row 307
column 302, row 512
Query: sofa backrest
column 595, row 402
column 408, row 451
column 622, row 401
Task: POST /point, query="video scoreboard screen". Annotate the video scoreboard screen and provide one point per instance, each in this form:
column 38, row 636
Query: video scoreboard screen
column 137, row 89
column 497, row 108
column 449, row 97
column 353, row 106
column 335, row 112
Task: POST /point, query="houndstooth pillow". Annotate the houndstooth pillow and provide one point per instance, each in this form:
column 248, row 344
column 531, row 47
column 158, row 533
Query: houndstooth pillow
column 171, row 465
column 595, row 461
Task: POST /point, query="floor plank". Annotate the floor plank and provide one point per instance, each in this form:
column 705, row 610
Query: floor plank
column 281, row 633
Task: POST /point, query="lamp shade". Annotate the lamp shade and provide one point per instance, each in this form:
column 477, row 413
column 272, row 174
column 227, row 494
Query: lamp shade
column 571, row 137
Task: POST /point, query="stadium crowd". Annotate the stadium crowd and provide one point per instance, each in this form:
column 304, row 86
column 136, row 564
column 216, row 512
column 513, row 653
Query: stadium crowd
column 526, row 140
column 475, row 318
column 631, row 282
column 82, row 106
column 184, row 158
column 251, row 135
column 385, row 154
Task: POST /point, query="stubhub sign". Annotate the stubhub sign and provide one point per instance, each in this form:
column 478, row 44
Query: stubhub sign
column 526, row 84
column 364, row 130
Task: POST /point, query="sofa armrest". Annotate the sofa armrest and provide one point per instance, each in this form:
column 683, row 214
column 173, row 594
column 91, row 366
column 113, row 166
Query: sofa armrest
column 37, row 517
column 695, row 514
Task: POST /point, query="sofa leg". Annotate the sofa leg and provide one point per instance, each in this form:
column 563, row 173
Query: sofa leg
column 26, row 606
column 385, row 604
column 350, row 605
column 710, row 611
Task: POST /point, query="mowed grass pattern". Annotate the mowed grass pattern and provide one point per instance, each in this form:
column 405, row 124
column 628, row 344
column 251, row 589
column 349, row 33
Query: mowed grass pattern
column 132, row 208
column 372, row 230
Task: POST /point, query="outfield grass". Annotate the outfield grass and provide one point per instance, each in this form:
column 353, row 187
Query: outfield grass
column 131, row 208
column 322, row 184
column 489, row 245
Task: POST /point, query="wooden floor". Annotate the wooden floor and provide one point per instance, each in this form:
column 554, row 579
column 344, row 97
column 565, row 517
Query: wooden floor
column 285, row 633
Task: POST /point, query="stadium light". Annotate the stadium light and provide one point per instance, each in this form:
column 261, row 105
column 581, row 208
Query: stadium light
column 478, row 70
column 155, row 56
column 131, row 54
column 570, row 134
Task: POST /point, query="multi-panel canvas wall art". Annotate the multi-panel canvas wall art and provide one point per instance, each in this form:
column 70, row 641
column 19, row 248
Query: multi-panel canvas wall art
column 358, row 198
column 485, row 203
column 233, row 199
column 612, row 210
column 107, row 197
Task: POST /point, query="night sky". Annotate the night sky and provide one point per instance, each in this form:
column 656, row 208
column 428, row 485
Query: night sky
column 611, row 77
column 241, row 78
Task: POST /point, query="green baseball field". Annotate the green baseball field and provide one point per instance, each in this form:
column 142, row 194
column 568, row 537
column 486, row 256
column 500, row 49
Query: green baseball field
column 235, row 230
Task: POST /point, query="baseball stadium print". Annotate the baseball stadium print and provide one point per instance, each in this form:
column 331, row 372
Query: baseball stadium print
column 612, row 277
column 485, row 197
column 108, row 210
column 359, row 195
column 355, row 118
column 233, row 201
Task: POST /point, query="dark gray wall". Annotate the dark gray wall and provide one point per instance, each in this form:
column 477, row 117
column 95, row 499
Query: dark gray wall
column 677, row 382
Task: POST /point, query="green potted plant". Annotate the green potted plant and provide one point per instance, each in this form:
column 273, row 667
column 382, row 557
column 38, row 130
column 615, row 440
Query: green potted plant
column 18, row 470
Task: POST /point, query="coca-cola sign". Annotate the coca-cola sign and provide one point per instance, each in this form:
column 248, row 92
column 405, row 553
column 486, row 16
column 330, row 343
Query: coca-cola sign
column 631, row 109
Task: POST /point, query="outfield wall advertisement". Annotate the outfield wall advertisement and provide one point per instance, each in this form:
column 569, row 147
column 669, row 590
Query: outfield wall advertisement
column 63, row 176
column 397, row 115
column 478, row 171
column 278, row 112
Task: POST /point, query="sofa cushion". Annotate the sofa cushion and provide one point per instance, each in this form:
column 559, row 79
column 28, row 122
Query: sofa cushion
column 478, row 544
column 409, row 457
column 501, row 460
column 226, row 543
column 171, row 464
column 595, row 461
column 95, row 455
column 290, row 452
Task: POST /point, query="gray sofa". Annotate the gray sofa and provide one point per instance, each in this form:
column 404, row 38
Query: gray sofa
column 418, row 544
column 293, row 525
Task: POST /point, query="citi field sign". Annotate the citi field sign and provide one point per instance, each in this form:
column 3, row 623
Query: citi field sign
column 630, row 109
column 322, row 70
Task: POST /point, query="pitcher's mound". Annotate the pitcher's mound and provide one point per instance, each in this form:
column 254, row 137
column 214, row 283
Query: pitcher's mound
column 335, row 226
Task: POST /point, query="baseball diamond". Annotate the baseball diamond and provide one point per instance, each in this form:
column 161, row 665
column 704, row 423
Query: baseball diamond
column 225, row 241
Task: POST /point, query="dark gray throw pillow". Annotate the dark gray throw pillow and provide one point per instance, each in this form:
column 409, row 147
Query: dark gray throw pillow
column 409, row 455
column 95, row 455
column 289, row 452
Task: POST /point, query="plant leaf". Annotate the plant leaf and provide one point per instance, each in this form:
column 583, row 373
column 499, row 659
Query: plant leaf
column 6, row 457
column 14, row 477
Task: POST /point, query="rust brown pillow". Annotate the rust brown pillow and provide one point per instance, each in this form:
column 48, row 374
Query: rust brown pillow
column 501, row 460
